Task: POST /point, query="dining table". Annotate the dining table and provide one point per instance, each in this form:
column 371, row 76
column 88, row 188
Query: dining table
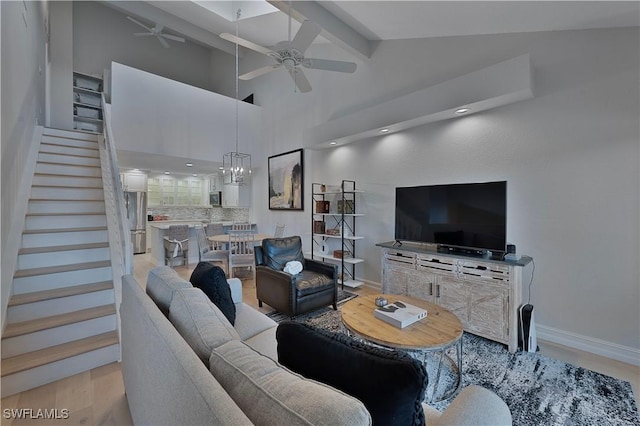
column 225, row 238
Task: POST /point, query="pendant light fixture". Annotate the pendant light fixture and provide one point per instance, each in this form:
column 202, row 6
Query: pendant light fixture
column 236, row 166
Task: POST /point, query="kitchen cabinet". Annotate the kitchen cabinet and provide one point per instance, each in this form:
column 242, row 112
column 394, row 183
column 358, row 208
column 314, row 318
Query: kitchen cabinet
column 236, row 195
column 165, row 190
column 134, row 182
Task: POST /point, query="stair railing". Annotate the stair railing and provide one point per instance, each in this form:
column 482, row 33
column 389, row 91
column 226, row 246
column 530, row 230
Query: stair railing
column 119, row 235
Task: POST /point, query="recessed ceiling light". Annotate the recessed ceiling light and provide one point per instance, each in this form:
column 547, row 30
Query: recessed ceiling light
column 385, row 130
column 167, row 172
column 189, row 164
column 333, row 143
column 195, row 175
column 220, row 168
column 462, row 110
column 135, row 170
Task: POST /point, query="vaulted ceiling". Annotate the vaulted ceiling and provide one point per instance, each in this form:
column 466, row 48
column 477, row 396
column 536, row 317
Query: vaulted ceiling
column 357, row 26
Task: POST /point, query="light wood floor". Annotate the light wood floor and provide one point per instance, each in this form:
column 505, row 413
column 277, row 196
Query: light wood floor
column 97, row 397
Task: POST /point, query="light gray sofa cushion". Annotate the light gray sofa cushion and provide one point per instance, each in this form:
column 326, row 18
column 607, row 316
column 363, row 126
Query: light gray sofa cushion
column 269, row 394
column 250, row 322
column 265, row 343
column 162, row 281
column 201, row 323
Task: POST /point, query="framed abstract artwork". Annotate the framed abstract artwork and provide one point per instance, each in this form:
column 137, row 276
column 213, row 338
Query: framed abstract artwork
column 286, row 181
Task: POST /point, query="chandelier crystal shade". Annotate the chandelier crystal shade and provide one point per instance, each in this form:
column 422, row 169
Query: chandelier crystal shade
column 236, row 166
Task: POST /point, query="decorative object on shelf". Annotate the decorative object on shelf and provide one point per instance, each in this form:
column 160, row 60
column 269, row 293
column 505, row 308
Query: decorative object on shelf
column 334, row 232
column 318, row 227
column 286, row 181
column 345, row 206
column 322, row 206
column 236, row 166
column 339, row 254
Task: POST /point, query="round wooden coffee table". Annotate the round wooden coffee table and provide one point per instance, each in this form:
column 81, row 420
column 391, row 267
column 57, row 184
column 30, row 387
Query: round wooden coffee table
column 436, row 333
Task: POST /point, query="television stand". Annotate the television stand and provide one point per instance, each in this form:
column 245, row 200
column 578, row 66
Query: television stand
column 484, row 292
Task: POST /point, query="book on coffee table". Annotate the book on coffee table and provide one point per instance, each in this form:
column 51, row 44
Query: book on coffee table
column 400, row 314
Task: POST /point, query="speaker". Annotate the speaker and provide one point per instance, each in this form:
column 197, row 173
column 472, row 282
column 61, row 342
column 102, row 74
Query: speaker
column 511, row 248
column 528, row 338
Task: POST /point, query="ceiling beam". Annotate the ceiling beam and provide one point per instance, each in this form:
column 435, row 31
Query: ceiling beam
column 334, row 29
column 145, row 11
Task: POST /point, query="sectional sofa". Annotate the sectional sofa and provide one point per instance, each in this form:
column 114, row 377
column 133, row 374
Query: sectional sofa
column 184, row 363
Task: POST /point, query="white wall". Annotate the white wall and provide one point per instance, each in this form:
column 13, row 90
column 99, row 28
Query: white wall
column 61, row 51
column 570, row 155
column 156, row 115
column 102, row 35
column 22, row 86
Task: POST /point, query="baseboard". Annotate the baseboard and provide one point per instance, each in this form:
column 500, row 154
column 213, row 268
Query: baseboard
column 589, row 344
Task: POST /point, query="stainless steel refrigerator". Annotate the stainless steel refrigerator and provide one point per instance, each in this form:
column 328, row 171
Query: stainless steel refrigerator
column 136, row 204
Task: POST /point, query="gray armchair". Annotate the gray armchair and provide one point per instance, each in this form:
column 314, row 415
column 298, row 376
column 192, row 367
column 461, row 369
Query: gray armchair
column 313, row 288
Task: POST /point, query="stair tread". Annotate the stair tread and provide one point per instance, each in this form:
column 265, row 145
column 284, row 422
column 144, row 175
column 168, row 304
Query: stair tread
column 60, row 268
column 70, row 146
column 67, row 213
column 57, row 163
column 56, row 230
column 67, row 176
column 44, row 185
column 41, row 357
column 76, row 135
column 67, row 154
column 39, row 324
column 56, row 293
column 68, row 247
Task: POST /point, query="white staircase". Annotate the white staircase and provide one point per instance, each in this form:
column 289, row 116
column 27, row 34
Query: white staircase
column 61, row 317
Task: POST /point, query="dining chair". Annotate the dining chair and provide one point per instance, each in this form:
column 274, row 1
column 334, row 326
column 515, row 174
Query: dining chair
column 176, row 245
column 241, row 226
column 211, row 230
column 206, row 254
column 279, row 232
column 241, row 252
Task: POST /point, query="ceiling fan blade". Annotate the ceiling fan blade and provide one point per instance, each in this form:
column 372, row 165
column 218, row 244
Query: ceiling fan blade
column 139, row 23
column 249, row 45
column 163, row 42
column 172, row 37
column 143, row 34
column 258, row 72
column 328, row 65
column 306, row 34
column 300, row 79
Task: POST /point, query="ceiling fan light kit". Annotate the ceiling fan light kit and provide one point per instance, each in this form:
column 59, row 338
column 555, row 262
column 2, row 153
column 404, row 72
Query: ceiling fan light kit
column 290, row 56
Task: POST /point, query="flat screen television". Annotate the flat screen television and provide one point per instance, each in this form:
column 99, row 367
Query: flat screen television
column 467, row 217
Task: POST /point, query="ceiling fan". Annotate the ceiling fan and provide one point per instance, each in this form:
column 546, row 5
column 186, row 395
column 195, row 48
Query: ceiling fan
column 290, row 55
column 157, row 32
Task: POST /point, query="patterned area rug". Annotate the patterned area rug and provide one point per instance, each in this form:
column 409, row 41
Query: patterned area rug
column 343, row 296
column 539, row 390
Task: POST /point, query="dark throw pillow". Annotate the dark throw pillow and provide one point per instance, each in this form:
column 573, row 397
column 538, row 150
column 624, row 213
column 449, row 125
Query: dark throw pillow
column 390, row 384
column 212, row 280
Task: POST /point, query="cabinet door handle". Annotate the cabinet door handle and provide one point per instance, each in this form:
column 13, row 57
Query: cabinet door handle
column 437, row 290
column 430, row 289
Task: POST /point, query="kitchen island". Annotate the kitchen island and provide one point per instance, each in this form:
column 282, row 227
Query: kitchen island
column 159, row 228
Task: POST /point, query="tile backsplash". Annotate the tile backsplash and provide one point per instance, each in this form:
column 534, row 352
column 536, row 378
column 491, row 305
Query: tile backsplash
column 214, row 214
